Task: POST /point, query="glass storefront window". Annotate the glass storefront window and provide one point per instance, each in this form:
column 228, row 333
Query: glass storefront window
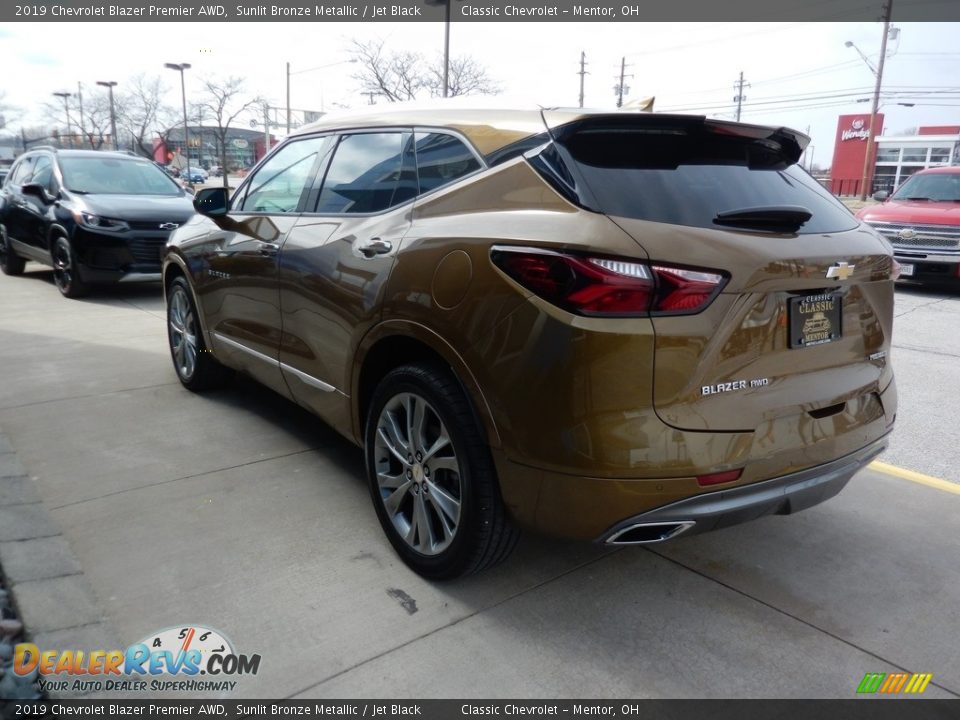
column 939, row 154
column 915, row 154
column 888, row 154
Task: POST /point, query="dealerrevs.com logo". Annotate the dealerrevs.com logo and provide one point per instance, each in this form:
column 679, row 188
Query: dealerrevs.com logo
column 189, row 658
column 894, row 683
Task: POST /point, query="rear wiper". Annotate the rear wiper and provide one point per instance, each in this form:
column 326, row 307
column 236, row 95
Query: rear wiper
column 783, row 218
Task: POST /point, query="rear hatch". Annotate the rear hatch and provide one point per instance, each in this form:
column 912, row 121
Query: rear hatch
column 802, row 323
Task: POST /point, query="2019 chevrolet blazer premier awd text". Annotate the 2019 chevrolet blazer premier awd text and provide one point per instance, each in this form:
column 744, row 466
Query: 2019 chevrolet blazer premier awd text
column 612, row 327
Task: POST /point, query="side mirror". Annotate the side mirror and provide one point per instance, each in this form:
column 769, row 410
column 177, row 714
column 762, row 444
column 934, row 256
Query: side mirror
column 212, row 202
column 881, row 195
column 38, row 191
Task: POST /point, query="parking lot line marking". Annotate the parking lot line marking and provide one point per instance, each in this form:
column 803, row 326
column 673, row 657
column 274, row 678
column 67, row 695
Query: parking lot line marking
column 916, row 477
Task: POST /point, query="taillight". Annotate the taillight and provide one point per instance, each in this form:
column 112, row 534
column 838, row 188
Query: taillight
column 604, row 286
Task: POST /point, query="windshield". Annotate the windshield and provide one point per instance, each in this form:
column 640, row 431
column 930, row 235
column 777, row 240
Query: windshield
column 115, row 176
column 938, row 187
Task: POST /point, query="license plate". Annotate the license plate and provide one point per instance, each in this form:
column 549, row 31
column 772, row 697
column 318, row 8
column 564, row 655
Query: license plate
column 815, row 319
column 906, row 270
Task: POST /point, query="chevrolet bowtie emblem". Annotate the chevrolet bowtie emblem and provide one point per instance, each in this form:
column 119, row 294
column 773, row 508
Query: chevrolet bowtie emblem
column 174, row 226
column 841, row 270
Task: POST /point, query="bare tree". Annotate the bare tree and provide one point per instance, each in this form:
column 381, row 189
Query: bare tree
column 226, row 100
column 399, row 76
column 141, row 112
column 467, row 77
column 8, row 113
column 96, row 119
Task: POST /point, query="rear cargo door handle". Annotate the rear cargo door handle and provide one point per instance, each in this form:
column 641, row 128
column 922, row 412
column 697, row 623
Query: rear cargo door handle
column 374, row 246
column 269, row 248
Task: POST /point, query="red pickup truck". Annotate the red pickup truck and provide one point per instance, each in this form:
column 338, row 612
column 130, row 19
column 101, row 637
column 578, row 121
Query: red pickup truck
column 922, row 222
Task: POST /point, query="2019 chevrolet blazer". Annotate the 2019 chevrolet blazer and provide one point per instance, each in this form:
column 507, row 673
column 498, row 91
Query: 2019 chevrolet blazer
column 614, row 327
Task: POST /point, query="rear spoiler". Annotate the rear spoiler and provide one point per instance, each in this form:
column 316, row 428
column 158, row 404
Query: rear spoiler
column 561, row 125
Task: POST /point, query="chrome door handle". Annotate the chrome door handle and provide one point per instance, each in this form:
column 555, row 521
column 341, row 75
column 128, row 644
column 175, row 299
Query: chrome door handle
column 375, row 246
column 269, row 248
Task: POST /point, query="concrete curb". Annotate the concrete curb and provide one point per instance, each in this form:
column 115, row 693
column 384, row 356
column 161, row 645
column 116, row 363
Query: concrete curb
column 49, row 592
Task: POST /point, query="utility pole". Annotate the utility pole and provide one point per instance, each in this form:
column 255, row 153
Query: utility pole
column 110, row 84
column 620, row 88
column 582, row 73
column 371, row 94
column 80, row 101
column 288, row 98
column 740, row 97
column 868, row 155
column 66, row 108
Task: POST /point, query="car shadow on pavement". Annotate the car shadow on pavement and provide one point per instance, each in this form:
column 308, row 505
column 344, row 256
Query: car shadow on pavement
column 100, row 293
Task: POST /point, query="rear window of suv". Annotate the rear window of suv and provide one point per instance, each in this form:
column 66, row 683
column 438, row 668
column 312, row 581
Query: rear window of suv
column 115, row 176
column 691, row 175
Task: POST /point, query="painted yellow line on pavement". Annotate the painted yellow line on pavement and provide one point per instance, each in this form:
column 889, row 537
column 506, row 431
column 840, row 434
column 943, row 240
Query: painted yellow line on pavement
column 916, row 477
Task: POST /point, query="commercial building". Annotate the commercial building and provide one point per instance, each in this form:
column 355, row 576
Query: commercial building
column 244, row 147
column 896, row 157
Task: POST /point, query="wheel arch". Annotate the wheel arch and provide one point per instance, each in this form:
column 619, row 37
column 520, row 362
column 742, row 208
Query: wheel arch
column 398, row 342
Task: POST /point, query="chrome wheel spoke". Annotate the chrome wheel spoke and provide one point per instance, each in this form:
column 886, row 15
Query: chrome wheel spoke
column 445, row 463
column 427, row 542
column 391, row 442
column 441, row 442
column 448, row 507
column 393, row 501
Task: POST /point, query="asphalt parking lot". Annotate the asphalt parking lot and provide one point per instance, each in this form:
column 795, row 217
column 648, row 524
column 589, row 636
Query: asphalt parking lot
column 239, row 511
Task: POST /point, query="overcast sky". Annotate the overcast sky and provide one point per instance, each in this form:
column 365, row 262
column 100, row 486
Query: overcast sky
column 686, row 66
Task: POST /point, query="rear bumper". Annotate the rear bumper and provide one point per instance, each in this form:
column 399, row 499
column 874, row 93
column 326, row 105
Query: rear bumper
column 711, row 511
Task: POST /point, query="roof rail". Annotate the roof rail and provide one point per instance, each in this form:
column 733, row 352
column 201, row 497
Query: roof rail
column 41, row 147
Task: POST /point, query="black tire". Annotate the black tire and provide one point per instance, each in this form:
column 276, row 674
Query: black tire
column 483, row 534
column 10, row 262
column 65, row 272
column 200, row 371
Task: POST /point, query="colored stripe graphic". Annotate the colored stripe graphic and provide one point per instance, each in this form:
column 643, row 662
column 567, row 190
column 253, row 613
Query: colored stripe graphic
column 894, row 683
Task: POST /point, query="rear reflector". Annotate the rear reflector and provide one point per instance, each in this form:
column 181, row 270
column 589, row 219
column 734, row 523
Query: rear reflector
column 720, row 477
column 604, row 286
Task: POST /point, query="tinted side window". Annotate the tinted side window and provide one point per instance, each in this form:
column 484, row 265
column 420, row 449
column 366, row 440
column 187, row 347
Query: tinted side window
column 43, row 173
column 441, row 159
column 370, row 172
column 281, row 182
column 22, row 172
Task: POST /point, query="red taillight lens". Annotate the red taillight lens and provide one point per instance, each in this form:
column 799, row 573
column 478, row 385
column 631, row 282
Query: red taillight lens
column 720, row 477
column 601, row 286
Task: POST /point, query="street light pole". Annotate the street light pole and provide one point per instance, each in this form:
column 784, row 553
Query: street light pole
column 446, row 42
column 183, row 91
column 66, row 108
column 110, row 84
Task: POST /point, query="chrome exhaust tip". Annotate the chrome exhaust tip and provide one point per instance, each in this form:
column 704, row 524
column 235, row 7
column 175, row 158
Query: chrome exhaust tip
column 648, row 533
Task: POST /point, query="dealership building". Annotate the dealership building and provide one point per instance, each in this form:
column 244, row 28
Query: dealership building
column 897, row 157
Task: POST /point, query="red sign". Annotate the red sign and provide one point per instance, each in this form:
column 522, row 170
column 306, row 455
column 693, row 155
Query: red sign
column 849, row 150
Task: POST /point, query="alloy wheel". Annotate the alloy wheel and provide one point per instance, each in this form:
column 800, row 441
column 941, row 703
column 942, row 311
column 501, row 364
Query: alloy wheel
column 183, row 333
column 62, row 265
column 418, row 474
